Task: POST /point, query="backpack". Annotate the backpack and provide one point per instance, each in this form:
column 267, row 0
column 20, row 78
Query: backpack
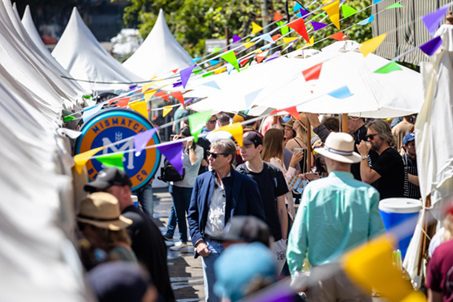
column 169, row 173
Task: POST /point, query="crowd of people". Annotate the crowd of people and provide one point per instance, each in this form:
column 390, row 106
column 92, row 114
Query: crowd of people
column 296, row 196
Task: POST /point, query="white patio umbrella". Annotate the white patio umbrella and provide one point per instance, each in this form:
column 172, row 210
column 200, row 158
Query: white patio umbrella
column 373, row 95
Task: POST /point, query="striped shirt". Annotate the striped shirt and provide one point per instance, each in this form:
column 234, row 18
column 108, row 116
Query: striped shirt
column 410, row 167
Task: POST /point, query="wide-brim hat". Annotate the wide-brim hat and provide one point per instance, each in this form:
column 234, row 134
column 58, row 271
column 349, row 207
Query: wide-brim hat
column 340, row 147
column 103, row 211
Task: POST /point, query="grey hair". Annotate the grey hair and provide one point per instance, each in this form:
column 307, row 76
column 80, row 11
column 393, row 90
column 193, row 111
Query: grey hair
column 383, row 130
column 227, row 146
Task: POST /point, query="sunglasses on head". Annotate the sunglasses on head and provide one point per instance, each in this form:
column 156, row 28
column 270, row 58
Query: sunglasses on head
column 370, row 136
column 214, row 155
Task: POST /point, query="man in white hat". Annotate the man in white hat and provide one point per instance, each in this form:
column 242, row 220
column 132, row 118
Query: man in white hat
column 336, row 214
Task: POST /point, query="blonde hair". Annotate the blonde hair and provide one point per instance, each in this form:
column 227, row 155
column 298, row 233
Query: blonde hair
column 273, row 144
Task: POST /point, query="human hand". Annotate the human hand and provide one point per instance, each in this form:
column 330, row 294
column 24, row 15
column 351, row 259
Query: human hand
column 296, row 158
column 202, row 249
column 313, row 118
column 364, row 148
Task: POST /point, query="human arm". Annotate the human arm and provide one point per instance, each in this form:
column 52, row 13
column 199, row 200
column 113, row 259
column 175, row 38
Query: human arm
column 193, row 215
column 434, row 296
column 282, row 216
column 367, row 174
column 413, row 179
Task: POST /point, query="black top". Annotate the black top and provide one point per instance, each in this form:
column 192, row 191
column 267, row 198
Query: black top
column 359, row 135
column 390, row 166
column 150, row 249
column 271, row 184
column 410, row 167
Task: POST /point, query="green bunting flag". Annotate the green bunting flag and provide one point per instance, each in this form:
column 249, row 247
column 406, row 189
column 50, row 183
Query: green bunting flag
column 68, row 118
column 197, row 121
column 230, row 57
column 348, row 11
column 283, row 29
column 388, row 68
column 207, row 74
column 395, row 5
column 113, row 160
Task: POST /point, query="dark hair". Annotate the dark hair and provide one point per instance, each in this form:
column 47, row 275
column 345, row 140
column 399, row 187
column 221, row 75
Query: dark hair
column 273, row 144
column 223, row 119
column 383, row 130
column 332, row 124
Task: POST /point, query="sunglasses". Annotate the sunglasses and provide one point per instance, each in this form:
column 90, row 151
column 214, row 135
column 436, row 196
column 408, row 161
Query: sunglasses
column 214, row 155
column 212, row 121
column 370, row 136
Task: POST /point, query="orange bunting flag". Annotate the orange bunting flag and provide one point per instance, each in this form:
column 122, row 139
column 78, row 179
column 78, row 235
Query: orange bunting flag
column 276, row 37
column 370, row 266
column 277, row 16
column 290, row 110
column 236, row 132
column 178, row 95
column 299, row 27
column 333, row 11
column 166, row 110
column 123, row 102
column 371, row 44
column 256, row 28
column 81, row 159
column 162, row 94
column 312, row 73
column 339, row 36
column 140, row 107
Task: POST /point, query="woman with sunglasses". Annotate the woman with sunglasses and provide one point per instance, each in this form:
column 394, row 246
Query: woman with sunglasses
column 273, row 145
column 182, row 190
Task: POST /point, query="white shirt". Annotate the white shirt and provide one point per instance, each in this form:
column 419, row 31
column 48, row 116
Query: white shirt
column 216, row 212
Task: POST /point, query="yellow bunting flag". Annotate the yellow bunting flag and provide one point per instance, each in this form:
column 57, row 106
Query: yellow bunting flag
column 371, row 44
column 247, row 45
column 256, row 28
column 149, row 94
column 146, row 87
column 333, row 11
column 141, row 107
column 288, row 40
column 81, row 159
column 235, row 130
column 370, row 266
column 220, row 70
column 166, row 110
column 311, row 42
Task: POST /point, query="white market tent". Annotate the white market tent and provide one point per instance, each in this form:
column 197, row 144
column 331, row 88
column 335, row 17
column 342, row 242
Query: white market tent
column 84, row 58
column 29, row 25
column 159, row 54
column 36, row 215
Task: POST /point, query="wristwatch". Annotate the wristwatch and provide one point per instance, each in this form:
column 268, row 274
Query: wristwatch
column 365, row 157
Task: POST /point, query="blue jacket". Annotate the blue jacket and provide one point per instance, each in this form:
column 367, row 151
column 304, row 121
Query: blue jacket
column 242, row 198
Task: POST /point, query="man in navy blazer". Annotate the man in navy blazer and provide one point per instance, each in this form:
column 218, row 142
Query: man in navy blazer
column 216, row 197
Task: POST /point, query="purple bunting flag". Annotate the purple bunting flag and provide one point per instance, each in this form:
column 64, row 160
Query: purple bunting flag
column 304, row 12
column 341, row 93
column 173, row 153
column 317, row 25
column 236, row 38
column 141, row 139
column 433, row 20
column 185, row 75
column 431, row 46
column 273, row 56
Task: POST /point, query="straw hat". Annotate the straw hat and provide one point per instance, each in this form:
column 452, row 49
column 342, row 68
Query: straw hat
column 102, row 210
column 340, row 147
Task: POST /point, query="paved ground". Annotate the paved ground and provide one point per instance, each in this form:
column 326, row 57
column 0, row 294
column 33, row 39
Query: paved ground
column 185, row 271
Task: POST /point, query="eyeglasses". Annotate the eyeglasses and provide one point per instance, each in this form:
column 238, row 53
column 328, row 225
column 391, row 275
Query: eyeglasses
column 214, row 155
column 370, row 136
column 212, row 121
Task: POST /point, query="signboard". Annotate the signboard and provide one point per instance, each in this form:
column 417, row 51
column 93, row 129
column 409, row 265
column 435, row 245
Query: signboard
column 115, row 125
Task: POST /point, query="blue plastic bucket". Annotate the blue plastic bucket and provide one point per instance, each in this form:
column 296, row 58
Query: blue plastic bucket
column 395, row 211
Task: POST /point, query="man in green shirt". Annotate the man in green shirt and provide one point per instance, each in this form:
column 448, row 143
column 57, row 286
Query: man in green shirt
column 336, row 214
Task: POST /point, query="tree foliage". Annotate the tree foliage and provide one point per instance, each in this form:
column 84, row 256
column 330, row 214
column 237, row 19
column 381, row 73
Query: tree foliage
column 194, row 21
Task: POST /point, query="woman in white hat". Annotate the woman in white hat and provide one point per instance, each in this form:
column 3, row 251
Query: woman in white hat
column 104, row 231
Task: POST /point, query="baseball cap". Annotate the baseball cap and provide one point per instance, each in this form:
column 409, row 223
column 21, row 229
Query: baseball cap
column 245, row 228
column 408, row 138
column 240, row 266
column 107, row 178
column 252, row 137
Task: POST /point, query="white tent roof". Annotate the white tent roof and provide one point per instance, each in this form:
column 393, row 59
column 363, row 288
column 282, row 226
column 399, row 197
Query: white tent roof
column 159, row 54
column 28, row 24
column 84, row 58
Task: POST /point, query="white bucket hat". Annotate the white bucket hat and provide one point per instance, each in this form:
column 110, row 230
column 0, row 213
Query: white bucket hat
column 340, row 147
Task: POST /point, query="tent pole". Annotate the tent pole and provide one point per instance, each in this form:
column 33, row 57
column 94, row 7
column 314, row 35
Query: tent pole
column 309, row 149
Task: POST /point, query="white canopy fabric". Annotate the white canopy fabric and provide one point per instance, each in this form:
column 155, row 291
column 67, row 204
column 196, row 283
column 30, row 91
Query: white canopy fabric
column 434, row 141
column 29, row 25
column 159, row 54
column 84, row 58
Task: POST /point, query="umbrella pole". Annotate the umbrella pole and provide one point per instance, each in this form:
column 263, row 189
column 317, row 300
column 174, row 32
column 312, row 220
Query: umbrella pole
column 309, row 149
column 344, row 123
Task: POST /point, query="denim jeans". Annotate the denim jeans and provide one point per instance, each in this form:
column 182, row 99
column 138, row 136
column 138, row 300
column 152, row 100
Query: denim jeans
column 208, row 262
column 145, row 199
column 181, row 199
